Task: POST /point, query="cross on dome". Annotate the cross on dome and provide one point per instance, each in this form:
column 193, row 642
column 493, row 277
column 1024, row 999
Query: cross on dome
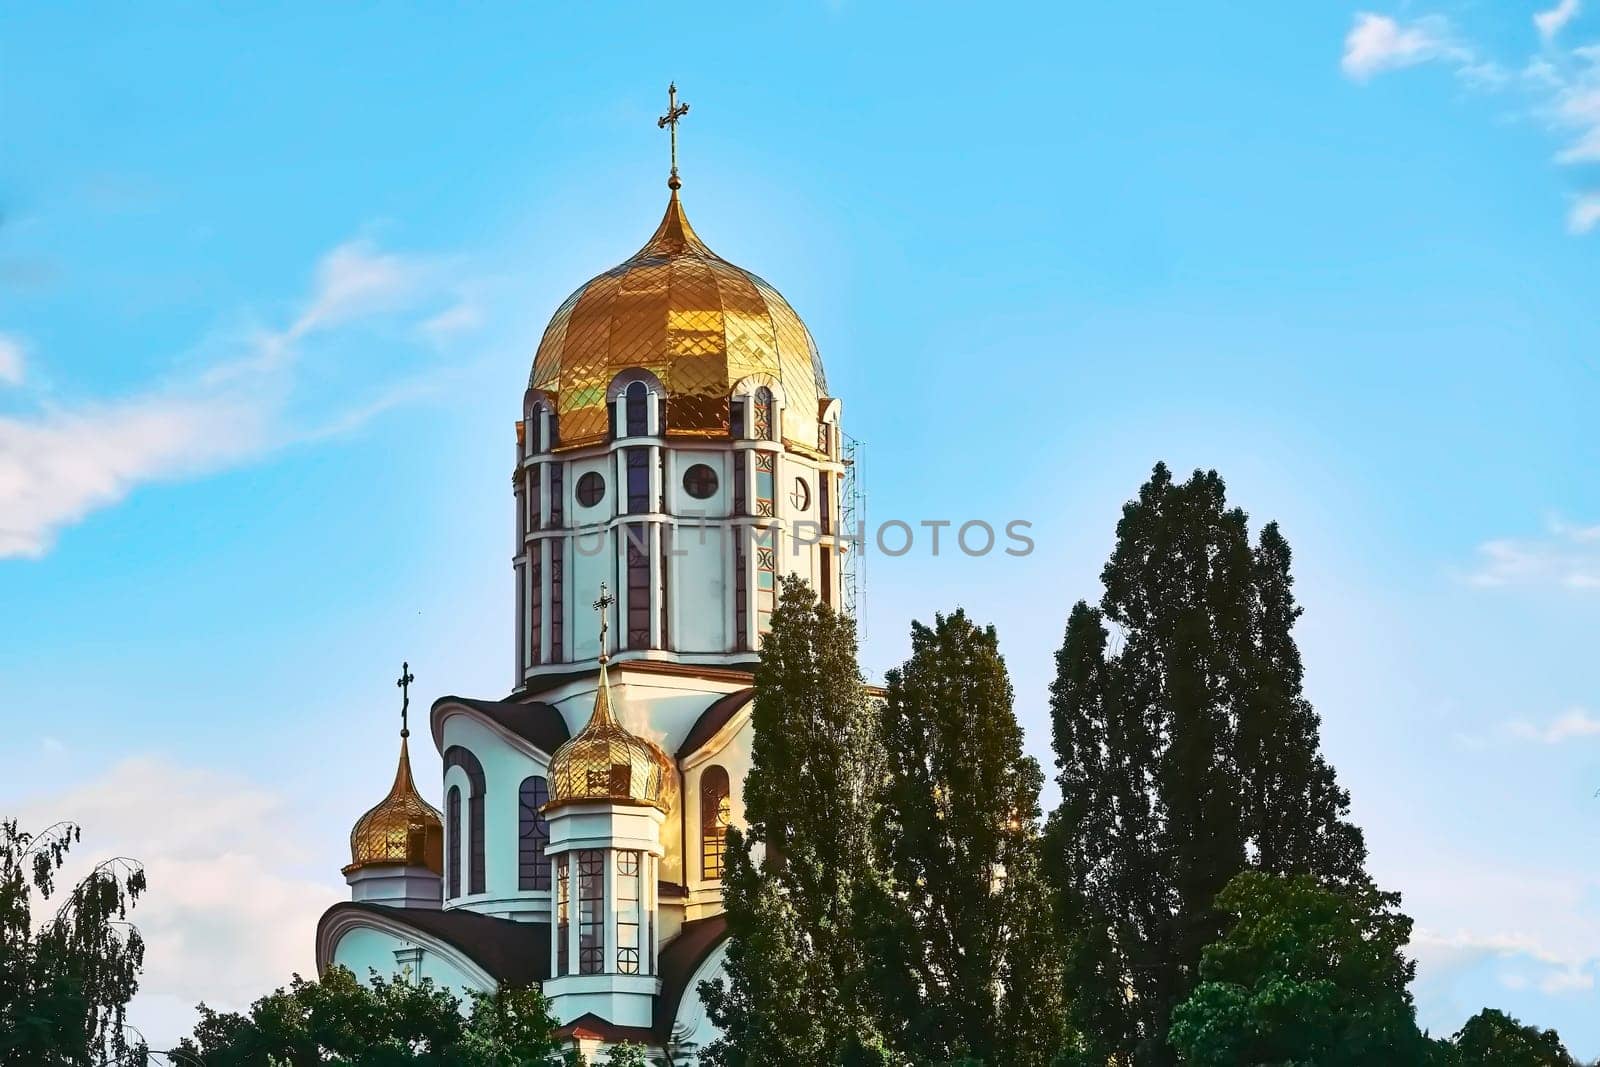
column 675, row 112
column 603, row 606
column 404, row 684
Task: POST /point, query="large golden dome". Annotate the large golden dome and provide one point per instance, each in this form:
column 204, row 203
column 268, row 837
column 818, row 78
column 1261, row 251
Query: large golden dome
column 606, row 762
column 403, row 830
column 695, row 321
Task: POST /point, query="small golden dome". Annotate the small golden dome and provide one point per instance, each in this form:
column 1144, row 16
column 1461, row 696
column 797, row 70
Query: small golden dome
column 697, row 322
column 606, row 762
column 403, row 830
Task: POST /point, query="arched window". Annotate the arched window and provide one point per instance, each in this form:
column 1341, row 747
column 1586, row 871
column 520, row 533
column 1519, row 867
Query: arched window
column 456, row 756
column 736, row 417
column 715, row 812
column 536, row 430
column 764, row 427
column 453, row 832
column 636, row 401
column 533, row 870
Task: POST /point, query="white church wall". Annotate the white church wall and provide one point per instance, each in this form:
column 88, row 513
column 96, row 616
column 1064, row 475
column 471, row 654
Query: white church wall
column 703, row 562
column 504, row 768
column 365, row 950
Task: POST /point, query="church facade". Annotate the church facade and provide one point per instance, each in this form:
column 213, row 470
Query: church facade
column 677, row 452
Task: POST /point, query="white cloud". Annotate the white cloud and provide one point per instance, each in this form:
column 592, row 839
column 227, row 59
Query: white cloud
column 1377, row 43
column 1584, row 214
column 1568, row 557
column 1553, row 21
column 356, row 279
column 1565, row 727
column 1560, row 86
column 62, row 463
column 223, row 922
column 461, row 317
column 58, row 467
column 13, row 359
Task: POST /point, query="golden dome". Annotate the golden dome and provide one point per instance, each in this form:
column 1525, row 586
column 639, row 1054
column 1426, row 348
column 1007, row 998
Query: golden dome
column 606, row 762
column 403, row 830
column 697, row 322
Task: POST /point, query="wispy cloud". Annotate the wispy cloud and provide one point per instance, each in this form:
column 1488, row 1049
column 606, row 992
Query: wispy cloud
column 1567, row 557
column 1584, row 215
column 1553, row 21
column 63, row 462
column 1568, row 726
column 1559, row 86
column 13, row 359
column 1377, row 43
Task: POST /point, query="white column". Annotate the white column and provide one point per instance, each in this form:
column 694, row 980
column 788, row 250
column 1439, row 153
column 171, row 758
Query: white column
column 609, row 911
column 654, row 562
column 573, row 911
column 555, row 913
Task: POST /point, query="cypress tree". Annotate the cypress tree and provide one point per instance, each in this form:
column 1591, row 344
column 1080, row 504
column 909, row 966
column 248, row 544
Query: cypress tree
column 799, row 878
column 1185, row 755
column 957, row 839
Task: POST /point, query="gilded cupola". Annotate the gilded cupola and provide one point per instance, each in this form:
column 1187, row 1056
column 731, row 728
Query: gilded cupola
column 403, row 829
column 607, row 762
column 700, row 324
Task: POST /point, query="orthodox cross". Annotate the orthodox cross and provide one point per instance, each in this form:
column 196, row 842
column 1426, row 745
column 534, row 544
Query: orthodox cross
column 675, row 111
column 603, row 606
column 404, row 684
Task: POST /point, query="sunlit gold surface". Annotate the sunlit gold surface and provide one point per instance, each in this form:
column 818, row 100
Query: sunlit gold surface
column 691, row 318
column 606, row 762
column 403, row 830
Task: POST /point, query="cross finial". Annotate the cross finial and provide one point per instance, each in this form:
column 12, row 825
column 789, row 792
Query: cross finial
column 603, row 606
column 404, row 684
column 675, row 111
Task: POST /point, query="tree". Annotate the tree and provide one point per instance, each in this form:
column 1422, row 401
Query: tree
column 340, row 1020
column 626, row 1055
column 968, row 960
column 1305, row 975
column 1494, row 1039
column 1184, row 756
column 796, row 990
column 65, row 985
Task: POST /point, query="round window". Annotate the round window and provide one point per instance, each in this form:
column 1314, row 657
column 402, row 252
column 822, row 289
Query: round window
column 801, row 497
column 700, row 481
column 591, row 489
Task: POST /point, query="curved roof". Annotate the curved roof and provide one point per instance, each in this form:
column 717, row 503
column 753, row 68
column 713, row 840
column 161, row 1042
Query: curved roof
column 698, row 323
column 516, row 953
column 536, row 722
column 713, row 719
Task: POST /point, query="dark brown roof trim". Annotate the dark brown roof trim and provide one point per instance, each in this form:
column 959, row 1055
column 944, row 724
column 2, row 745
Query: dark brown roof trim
column 543, row 683
column 515, row 953
column 589, row 1025
column 539, row 724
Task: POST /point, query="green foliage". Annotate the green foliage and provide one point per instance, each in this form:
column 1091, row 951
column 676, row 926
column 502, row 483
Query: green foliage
column 1305, row 975
column 965, row 953
column 626, row 1055
column 1494, row 1039
column 1185, row 756
column 797, row 987
column 339, row 1020
column 65, row 985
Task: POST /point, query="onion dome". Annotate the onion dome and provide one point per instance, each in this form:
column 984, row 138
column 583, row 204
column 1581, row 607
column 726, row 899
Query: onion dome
column 403, row 829
column 605, row 761
column 695, row 321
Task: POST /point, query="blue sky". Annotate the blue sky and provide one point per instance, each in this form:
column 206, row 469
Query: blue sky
column 270, row 283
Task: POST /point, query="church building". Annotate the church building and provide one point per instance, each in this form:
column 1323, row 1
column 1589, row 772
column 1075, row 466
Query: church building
column 677, row 451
